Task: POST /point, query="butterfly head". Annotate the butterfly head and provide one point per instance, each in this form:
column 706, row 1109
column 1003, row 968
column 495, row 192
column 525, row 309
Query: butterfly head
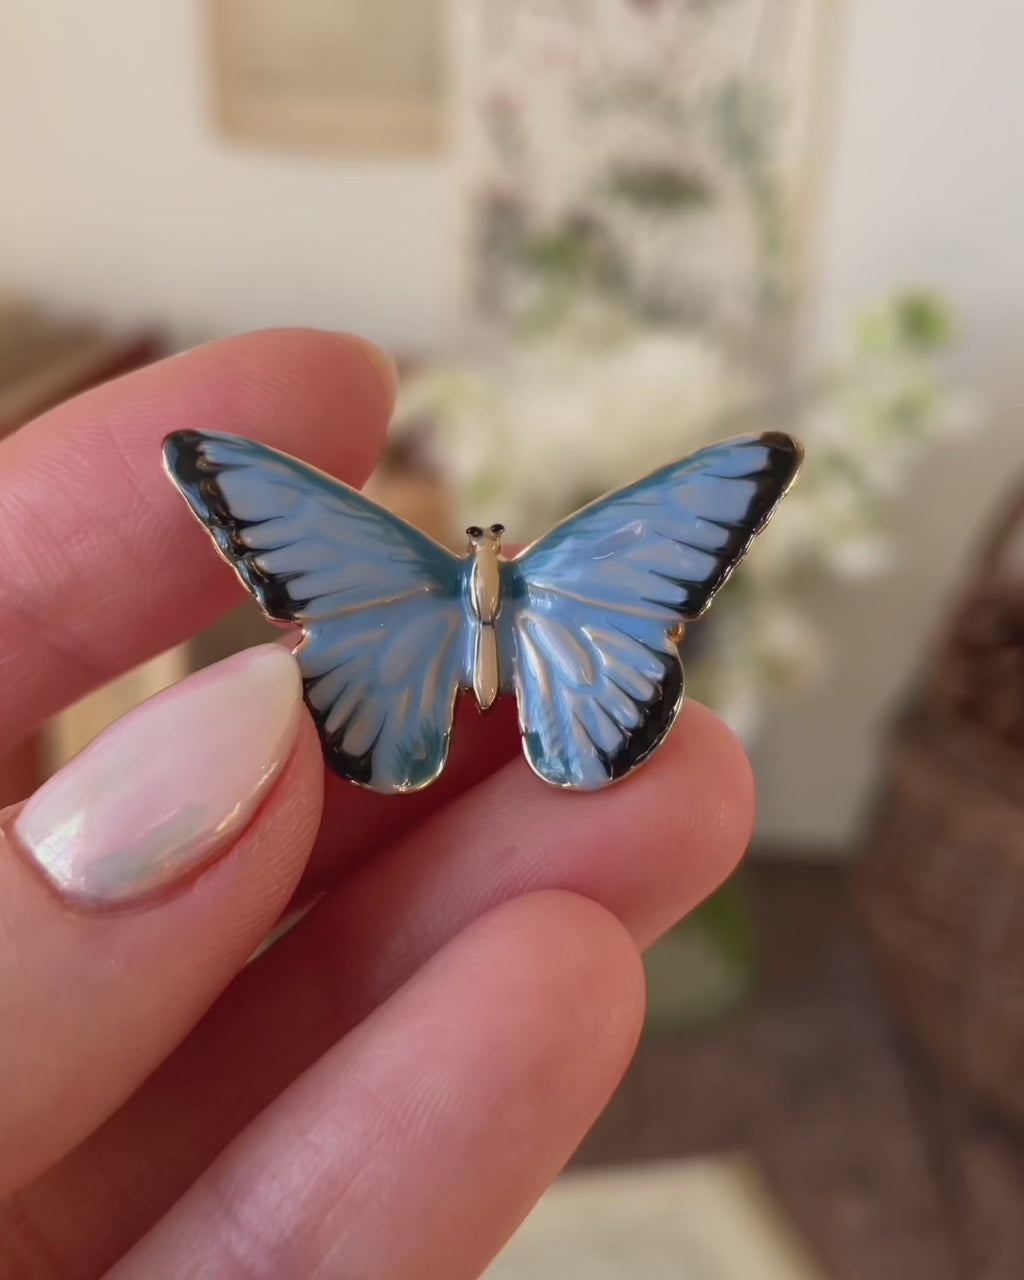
column 479, row 539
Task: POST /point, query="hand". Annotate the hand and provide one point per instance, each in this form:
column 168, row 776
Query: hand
column 386, row 1091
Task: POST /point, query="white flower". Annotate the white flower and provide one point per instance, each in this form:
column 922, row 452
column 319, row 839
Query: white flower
column 858, row 558
column 557, row 422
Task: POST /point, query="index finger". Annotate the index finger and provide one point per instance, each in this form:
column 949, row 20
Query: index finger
column 101, row 566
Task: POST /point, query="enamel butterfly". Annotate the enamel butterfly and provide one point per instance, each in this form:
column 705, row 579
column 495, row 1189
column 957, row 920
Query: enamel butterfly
column 582, row 627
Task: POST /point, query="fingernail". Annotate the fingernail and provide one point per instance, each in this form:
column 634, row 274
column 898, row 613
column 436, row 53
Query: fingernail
column 168, row 787
column 383, row 363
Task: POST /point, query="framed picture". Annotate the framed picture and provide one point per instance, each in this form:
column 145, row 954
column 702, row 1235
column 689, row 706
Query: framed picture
column 356, row 77
column 666, row 153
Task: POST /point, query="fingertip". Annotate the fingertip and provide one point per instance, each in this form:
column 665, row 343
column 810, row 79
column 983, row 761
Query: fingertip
column 653, row 848
column 725, row 800
column 276, row 848
column 339, row 379
column 383, row 364
column 485, row 1069
column 579, row 942
column 696, row 808
column 591, row 961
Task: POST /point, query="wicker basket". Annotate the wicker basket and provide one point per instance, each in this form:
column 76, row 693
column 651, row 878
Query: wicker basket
column 942, row 876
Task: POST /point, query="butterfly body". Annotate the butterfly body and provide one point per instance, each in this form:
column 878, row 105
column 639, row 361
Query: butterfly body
column 485, row 594
column 582, row 627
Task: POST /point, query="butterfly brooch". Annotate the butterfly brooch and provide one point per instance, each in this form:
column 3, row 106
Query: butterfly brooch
column 583, row 627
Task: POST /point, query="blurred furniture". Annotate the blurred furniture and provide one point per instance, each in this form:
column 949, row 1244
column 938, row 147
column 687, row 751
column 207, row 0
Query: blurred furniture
column 886, row 1168
column 942, row 878
column 44, row 360
column 706, row 1217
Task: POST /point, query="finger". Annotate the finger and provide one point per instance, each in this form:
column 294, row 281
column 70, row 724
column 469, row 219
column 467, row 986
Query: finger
column 358, row 823
column 316, row 394
column 102, row 564
column 415, row 1147
column 648, row 850
column 220, row 774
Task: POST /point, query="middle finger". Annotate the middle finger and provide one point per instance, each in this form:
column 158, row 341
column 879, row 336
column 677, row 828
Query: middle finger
column 649, row 851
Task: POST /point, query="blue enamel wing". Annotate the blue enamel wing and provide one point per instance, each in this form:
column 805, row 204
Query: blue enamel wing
column 583, row 626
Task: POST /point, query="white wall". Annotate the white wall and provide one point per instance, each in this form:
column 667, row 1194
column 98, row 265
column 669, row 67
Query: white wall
column 114, row 193
column 927, row 185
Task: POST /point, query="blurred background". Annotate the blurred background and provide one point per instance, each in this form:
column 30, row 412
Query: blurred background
column 598, row 233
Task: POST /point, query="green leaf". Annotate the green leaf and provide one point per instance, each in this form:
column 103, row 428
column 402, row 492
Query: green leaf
column 660, row 188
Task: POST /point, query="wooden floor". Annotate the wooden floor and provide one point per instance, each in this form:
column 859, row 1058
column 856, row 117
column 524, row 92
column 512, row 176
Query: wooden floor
column 884, row 1167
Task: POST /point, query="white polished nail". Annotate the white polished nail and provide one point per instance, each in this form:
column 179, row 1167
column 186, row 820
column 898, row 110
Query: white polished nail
column 168, row 787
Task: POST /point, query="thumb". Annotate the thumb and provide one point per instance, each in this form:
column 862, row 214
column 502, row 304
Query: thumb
column 136, row 883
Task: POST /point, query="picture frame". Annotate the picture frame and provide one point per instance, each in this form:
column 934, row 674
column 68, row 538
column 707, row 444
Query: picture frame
column 359, row 78
column 550, row 99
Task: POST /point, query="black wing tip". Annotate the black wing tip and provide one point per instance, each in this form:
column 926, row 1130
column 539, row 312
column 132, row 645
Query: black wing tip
column 786, row 458
column 183, row 454
column 788, row 448
column 786, row 455
column 188, row 440
column 197, row 479
column 774, row 477
column 781, row 440
column 188, row 460
column 184, row 438
column 772, row 481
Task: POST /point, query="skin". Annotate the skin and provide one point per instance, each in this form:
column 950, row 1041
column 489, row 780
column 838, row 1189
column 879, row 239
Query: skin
column 387, row 1091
